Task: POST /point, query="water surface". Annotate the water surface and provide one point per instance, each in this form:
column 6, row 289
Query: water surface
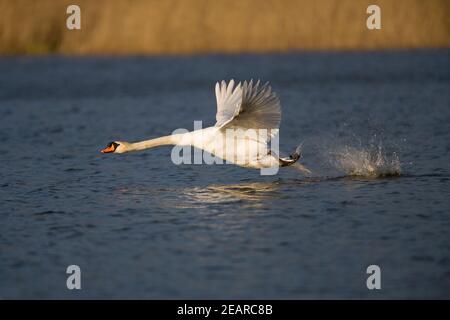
column 141, row 227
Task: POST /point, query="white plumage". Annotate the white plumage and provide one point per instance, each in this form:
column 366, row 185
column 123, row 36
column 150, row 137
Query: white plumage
column 246, row 110
column 248, row 106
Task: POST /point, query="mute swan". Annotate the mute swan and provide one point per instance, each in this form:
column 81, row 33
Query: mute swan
column 247, row 106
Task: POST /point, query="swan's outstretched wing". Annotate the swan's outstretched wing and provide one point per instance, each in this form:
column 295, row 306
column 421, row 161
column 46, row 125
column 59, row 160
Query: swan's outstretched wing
column 228, row 101
column 250, row 106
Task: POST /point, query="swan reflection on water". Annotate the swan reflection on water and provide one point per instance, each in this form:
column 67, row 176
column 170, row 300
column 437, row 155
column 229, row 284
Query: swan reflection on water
column 249, row 194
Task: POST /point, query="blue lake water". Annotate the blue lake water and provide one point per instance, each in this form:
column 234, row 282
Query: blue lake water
column 141, row 227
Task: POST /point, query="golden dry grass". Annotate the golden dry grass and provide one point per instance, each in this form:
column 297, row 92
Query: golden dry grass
column 202, row 26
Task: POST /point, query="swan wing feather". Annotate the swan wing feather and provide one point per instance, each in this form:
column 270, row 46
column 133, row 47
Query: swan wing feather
column 228, row 100
column 250, row 106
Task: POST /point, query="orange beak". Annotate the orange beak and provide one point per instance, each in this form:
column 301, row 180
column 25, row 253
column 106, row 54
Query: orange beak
column 109, row 149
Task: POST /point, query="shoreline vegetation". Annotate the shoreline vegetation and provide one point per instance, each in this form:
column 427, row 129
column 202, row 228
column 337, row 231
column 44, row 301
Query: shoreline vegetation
column 157, row 27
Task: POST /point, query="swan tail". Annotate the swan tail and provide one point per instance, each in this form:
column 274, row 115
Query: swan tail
column 292, row 160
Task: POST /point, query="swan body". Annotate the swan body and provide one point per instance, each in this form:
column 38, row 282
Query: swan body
column 248, row 117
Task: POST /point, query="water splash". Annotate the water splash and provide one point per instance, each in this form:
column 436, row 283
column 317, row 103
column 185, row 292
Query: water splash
column 372, row 160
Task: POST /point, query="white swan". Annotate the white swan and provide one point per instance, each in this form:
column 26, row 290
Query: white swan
column 248, row 116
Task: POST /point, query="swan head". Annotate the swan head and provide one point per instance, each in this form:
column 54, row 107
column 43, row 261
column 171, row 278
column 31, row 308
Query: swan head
column 116, row 147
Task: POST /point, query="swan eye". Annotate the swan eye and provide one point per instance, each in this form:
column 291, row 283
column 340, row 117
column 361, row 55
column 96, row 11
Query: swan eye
column 113, row 144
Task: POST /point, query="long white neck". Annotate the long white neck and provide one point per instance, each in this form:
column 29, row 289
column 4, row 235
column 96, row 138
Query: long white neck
column 198, row 138
column 152, row 143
